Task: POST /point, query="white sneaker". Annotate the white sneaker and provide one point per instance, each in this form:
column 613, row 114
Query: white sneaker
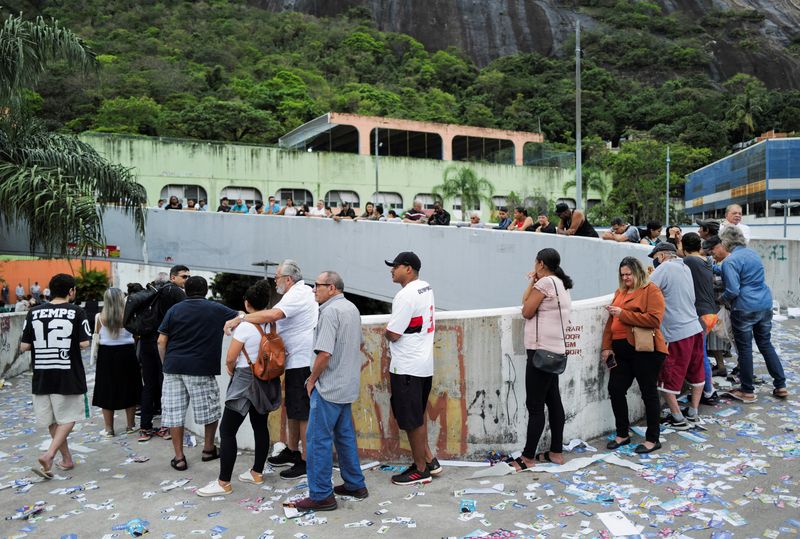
column 214, row 489
column 247, row 477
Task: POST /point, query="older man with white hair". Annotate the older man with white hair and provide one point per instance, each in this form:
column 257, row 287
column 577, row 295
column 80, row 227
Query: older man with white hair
column 296, row 315
column 733, row 218
column 750, row 301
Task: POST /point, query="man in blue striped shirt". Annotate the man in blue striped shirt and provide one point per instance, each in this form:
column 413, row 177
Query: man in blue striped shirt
column 333, row 386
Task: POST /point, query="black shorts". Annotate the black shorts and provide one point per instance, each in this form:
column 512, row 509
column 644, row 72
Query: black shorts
column 295, row 394
column 409, row 399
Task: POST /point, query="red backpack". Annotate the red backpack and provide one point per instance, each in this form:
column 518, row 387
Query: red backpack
column 271, row 360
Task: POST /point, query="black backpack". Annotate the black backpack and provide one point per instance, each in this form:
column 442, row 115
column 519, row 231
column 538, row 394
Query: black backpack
column 141, row 313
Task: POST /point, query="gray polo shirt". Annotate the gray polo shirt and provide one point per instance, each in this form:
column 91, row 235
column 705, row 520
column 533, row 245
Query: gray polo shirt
column 339, row 334
column 674, row 279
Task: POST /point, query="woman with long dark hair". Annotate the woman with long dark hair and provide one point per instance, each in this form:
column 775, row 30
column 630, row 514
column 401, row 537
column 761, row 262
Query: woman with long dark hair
column 651, row 235
column 118, row 378
column 546, row 308
column 246, row 396
column 637, row 303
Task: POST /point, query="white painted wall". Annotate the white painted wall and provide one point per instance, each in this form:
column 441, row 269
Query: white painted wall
column 12, row 362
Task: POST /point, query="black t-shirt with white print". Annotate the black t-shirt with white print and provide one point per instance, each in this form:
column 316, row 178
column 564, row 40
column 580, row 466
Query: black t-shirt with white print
column 55, row 333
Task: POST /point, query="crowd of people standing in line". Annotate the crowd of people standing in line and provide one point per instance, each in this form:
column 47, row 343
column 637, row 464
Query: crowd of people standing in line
column 658, row 323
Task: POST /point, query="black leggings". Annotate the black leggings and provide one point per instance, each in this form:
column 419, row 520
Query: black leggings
column 542, row 388
column 644, row 368
column 231, row 421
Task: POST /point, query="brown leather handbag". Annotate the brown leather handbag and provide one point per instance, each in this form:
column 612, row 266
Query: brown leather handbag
column 644, row 339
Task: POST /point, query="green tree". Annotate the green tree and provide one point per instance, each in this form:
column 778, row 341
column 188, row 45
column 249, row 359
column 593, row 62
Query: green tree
column 52, row 181
column 135, row 115
column 90, row 284
column 591, row 179
column 640, row 179
column 234, row 120
column 463, row 182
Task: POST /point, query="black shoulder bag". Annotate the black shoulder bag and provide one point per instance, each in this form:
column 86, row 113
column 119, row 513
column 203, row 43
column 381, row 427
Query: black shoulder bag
column 545, row 360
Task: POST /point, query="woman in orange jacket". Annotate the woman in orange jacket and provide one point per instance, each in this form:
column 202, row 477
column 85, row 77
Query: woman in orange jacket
column 637, row 303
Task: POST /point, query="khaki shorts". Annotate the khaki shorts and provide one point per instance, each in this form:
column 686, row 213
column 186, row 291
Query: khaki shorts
column 60, row 409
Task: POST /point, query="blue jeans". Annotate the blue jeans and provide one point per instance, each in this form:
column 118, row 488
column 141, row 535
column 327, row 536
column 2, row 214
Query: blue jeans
column 331, row 424
column 708, row 389
column 758, row 325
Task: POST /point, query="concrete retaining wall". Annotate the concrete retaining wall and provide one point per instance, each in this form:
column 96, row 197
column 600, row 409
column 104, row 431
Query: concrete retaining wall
column 781, row 260
column 478, row 397
column 12, row 362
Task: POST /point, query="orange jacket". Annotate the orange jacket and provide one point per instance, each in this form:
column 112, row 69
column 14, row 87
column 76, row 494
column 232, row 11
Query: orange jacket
column 642, row 308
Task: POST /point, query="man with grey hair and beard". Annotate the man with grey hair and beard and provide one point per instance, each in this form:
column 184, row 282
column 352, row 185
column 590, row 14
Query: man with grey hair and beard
column 296, row 316
column 750, row 301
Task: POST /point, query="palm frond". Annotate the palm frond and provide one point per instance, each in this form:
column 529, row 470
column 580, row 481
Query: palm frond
column 26, row 47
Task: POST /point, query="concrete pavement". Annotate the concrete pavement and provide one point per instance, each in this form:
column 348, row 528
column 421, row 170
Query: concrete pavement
column 740, row 476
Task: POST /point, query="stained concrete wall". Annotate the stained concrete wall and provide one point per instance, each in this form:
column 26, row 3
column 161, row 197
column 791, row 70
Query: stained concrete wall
column 12, row 362
column 478, row 397
column 157, row 162
column 781, row 260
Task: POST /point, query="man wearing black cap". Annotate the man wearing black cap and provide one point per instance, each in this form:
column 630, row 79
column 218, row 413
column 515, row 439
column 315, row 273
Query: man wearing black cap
column 683, row 333
column 573, row 222
column 410, row 334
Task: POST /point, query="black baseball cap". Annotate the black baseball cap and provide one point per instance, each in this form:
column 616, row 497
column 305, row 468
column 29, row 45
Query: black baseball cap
column 406, row 258
column 561, row 207
column 710, row 225
column 711, row 242
column 664, row 246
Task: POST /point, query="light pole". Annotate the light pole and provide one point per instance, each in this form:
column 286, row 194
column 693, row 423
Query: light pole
column 788, row 205
column 666, row 209
column 377, row 153
column 578, row 157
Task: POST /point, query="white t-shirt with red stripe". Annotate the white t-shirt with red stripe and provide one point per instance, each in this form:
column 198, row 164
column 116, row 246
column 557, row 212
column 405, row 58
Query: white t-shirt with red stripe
column 413, row 319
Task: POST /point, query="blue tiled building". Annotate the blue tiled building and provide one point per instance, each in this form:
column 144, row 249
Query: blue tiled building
column 754, row 178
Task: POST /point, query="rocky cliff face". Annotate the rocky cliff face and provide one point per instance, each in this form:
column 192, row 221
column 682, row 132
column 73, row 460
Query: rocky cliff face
column 488, row 29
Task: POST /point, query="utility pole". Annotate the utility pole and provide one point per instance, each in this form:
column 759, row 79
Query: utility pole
column 578, row 145
column 666, row 208
column 376, row 167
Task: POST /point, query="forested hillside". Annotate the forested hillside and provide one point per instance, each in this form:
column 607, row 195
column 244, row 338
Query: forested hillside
column 227, row 70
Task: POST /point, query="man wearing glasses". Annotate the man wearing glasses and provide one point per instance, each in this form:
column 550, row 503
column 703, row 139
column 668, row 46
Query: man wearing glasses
column 169, row 294
column 296, row 315
column 333, row 386
column 410, row 334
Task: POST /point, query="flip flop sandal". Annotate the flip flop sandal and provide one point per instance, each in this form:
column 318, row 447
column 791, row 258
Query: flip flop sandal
column 543, row 457
column 176, row 464
column 41, row 472
column 210, row 455
column 521, row 464
column 61, row 466
column 780, row 392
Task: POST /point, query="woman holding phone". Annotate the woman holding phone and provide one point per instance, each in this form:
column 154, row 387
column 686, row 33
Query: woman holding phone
column 546, row 306
column 637, row 303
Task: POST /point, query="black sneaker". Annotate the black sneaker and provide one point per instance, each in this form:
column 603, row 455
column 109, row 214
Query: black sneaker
column 297, row 471
column 434, row 468
column 692, row 419
column 286, row 457
column 412, row 476
column 672, row 423
column 713, row 400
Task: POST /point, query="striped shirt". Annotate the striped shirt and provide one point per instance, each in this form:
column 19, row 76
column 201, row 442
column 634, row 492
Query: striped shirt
column 339, row 334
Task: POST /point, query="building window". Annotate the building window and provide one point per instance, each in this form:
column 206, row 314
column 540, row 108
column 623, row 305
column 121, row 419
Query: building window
column 457, row 204
column 335, row 199
column 248, row 194
column 298, row 196
column 390, row 201
column 499, row 201
column 184, row 193
column 428, row 200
